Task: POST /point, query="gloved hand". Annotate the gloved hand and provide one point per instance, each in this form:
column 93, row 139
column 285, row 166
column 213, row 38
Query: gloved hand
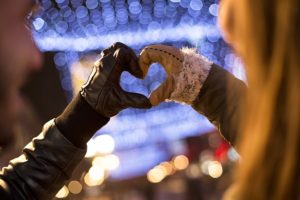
column 186, row 72
column 103, row 91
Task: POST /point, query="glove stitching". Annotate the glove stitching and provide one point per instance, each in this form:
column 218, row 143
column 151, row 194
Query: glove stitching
column 155, row 49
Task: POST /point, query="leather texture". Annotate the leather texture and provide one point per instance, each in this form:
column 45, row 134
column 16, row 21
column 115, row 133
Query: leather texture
column 103, row 91
column 46, row 163
column 171, row 58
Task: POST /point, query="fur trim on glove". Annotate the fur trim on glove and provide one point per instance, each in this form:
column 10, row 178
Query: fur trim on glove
column 191, row 77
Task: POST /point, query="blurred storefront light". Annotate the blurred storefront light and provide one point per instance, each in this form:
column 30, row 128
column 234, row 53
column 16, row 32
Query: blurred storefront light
column 180, row 162
column 204, row 166
column 212, row 168
column 108, row 162
column 168, row 168
column 91, row 149
column 156, row 175
column 233, row 155
column 206, row 155
column 103, row 144
column 98, row 161
column 62, row 193
column 75, row 187
column 90, row 181
column 193, row 171
column 97, row 173
column 111, row 162
column 215, row 169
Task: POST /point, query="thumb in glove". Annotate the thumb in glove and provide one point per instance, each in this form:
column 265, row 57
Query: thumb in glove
column 136, row 100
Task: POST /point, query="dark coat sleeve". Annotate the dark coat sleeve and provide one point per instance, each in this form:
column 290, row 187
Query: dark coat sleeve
column 49, row 160
column 46, row 163
column 221, row 100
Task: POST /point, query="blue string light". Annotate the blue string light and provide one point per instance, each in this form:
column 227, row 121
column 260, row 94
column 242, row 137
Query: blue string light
column 79, row 20
column 154, row 34
column 60, row 1
column 213, row 9
column 122, row 16
column 38, row 23
column 61, row 27
column 196, row 5
column 76, row 3
column 91, row 4
column 135, row 7
column 145, row 18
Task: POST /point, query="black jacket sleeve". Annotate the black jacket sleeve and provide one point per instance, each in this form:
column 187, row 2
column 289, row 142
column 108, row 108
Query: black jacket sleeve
column 49, row 160
column 221, row 100
column 46, row 163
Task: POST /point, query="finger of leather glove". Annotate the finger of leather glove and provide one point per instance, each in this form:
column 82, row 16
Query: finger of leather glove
column 163, row 92
column 129, row 60
column 111, row 103
column 112, row 48
column 169, row 57
column 136, row 100
column 115, row 60
column 104, row 74
column 118, row 100
column 126, row 57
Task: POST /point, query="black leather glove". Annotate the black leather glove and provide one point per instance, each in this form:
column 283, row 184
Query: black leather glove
column 103, row 91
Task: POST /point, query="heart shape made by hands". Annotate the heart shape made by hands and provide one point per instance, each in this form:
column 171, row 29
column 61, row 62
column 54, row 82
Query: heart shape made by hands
column 171, row 59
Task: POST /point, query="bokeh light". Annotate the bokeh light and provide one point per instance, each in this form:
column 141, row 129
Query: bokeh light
column 38, row 23
column 99, row 161
column 97, row 173
column 75, row 187
column 95, row 24
column 167, row 167
column 111, row 162
column 62, row 193
column 156, row 175
column 90, row 181
column 181, row 162
column 215, row 169
column 103, row 144
column 204, row 166
column 233, row 155
column 193, row 171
